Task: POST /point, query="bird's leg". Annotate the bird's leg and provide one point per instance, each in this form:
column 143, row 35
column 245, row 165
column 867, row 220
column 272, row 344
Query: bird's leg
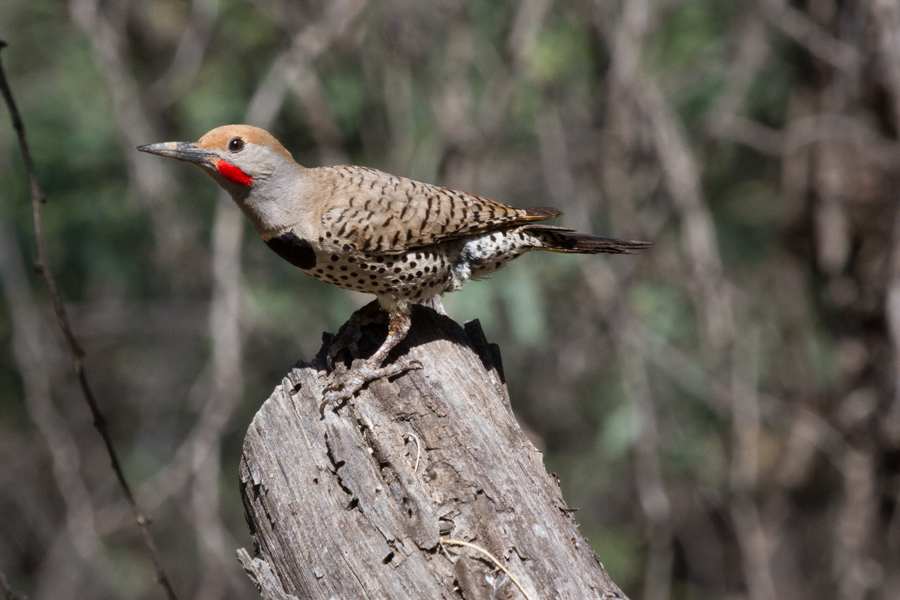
column 370, row 370
column 353, row 332
column 398, row 327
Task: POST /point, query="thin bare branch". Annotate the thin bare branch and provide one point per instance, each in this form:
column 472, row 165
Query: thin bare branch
column 797, row 25
column 38, row 198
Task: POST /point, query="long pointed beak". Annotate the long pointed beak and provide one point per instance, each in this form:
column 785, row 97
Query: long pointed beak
column 185, row 151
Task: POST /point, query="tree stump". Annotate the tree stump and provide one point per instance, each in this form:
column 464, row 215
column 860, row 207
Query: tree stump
column 414, row 489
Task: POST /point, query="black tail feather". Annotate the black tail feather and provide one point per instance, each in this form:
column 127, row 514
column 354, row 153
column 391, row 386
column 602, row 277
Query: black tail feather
column 556, row 240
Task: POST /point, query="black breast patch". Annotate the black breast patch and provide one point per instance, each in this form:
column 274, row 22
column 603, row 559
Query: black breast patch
column 294, row 249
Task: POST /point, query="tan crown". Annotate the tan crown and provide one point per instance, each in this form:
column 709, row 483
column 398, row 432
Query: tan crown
column 217, row 139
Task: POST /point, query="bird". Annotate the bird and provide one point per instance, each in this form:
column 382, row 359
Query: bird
column 365, row 230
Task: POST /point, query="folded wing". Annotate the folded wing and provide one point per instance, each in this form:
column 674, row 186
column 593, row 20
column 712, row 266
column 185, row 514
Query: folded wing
column 384, row 214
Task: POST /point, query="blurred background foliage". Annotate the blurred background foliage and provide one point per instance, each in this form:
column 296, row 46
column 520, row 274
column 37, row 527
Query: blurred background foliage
column 722, row 409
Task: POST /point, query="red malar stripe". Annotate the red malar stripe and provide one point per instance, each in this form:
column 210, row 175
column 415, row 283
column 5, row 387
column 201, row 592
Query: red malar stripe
column 232, row 173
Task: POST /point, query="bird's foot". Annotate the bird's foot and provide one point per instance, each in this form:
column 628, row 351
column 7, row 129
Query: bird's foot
column 349, row 339
column 340, row 389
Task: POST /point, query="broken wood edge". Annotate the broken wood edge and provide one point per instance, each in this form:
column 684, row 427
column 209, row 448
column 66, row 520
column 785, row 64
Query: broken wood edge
column 263, row 577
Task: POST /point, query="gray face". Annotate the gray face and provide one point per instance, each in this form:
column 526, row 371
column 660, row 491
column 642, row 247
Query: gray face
column 240, row 162
column 240, row 154
column 253, row 167
column 255, row 161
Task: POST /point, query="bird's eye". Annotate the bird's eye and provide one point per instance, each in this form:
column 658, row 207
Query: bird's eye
column 235, row 144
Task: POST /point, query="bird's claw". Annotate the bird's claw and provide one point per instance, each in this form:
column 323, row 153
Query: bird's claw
column 341, row 389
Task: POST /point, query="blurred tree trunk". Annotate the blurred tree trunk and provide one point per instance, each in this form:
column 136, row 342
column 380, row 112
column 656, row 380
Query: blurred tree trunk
column 371, row 499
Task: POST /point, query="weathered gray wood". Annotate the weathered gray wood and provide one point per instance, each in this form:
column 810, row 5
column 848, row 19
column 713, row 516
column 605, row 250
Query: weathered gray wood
column 338, row 507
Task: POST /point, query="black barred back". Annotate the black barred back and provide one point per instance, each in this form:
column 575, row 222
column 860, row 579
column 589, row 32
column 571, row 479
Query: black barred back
column 375, row 212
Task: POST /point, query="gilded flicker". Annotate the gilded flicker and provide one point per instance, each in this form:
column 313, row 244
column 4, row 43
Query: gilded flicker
column 365, row 230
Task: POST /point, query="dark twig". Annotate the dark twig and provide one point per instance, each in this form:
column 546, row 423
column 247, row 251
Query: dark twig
column 43, row 267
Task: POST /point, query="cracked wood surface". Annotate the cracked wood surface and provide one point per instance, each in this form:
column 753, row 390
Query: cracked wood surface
column 340, row 509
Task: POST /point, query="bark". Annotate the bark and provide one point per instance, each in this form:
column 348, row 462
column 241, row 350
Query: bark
column 371, row 499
